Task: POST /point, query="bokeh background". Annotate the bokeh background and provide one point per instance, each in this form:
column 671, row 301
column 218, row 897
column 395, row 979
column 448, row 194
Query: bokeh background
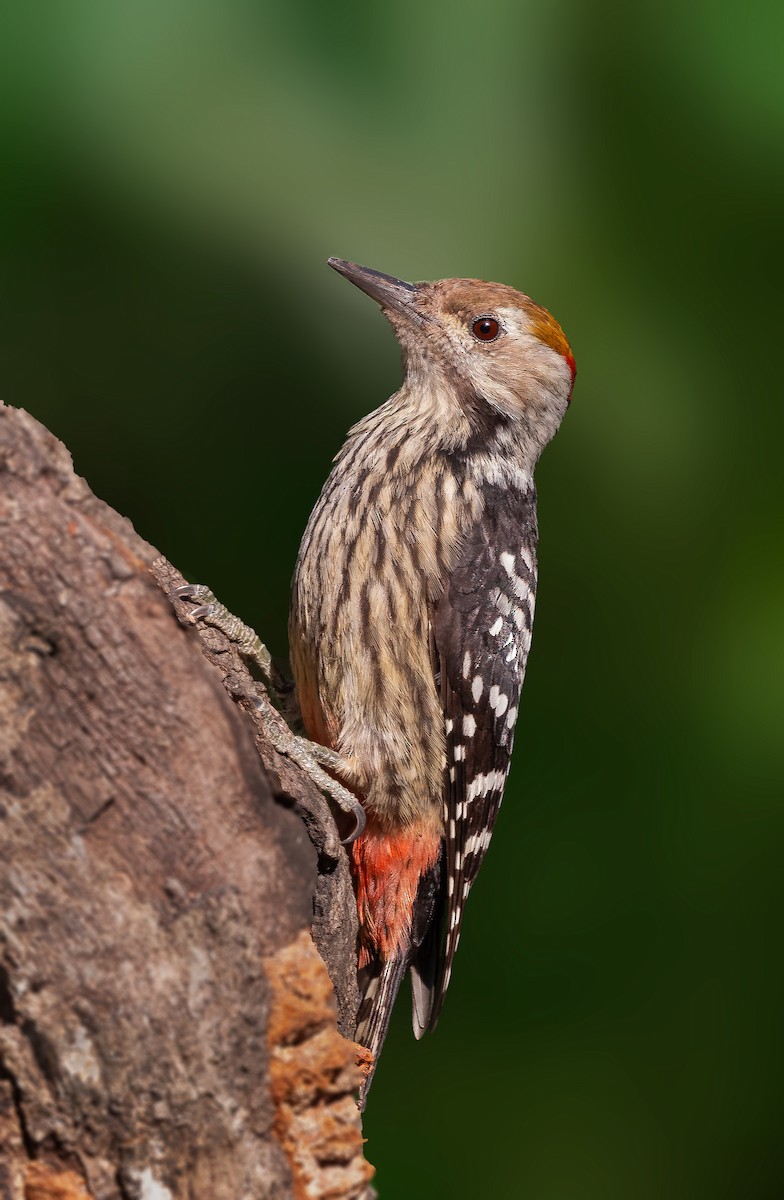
column 175, row 173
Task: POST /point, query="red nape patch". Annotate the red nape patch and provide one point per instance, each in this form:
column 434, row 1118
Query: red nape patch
column 572, row 365
column 387, row 869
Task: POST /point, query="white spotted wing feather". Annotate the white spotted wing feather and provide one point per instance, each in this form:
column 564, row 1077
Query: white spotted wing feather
column 482, row 634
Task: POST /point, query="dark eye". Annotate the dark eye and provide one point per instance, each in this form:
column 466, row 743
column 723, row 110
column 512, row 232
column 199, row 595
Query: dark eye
column 486, row 329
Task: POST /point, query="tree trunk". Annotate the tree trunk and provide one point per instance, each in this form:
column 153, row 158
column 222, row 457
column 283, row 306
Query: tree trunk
column 167, row 1026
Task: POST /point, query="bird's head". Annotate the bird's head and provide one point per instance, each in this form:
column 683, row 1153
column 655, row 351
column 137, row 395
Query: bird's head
column 492, row 348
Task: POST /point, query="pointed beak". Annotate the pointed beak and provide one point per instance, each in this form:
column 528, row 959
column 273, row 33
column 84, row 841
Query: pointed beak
column 387, row 291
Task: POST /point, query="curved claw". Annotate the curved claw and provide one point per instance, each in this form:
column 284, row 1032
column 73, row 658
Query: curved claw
column 192, row 591
column 203, row 610
column 360, row 816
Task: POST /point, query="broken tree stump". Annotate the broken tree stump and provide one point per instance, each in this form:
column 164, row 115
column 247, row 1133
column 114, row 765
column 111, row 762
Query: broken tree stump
column 168, row 1027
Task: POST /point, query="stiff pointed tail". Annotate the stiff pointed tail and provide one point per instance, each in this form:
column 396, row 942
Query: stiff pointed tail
column 417, row 947
column 379, row 983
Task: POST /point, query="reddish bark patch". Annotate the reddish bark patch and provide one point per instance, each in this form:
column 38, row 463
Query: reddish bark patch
column 314, row 1075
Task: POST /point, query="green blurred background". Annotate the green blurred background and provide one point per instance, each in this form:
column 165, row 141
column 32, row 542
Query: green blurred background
column 175, row 174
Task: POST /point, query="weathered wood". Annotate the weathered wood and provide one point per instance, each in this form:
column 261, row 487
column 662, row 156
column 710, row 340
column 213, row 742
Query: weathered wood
column 154, row 890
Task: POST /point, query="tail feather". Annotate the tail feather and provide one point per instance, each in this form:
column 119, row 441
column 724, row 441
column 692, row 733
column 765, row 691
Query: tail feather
column 423, row 984
column 426, row 947
column 420, row 949
column 379, row 983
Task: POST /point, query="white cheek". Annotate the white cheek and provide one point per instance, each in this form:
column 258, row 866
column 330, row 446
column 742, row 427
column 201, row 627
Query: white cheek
column 517, row 368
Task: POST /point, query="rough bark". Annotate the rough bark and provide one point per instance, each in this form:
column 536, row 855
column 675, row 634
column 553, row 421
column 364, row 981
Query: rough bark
column 167, row 1027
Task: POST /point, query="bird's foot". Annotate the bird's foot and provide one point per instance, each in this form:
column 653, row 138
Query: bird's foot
column 309, row 756
column 212, row 612
column 313, row 759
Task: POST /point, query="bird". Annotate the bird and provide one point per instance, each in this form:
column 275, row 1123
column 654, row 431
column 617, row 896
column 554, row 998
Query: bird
column 412, row 610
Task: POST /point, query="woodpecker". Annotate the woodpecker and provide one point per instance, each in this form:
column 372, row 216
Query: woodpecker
column 412, row 610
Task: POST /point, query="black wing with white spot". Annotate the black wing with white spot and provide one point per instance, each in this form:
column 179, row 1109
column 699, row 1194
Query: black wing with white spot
column 482, row 632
